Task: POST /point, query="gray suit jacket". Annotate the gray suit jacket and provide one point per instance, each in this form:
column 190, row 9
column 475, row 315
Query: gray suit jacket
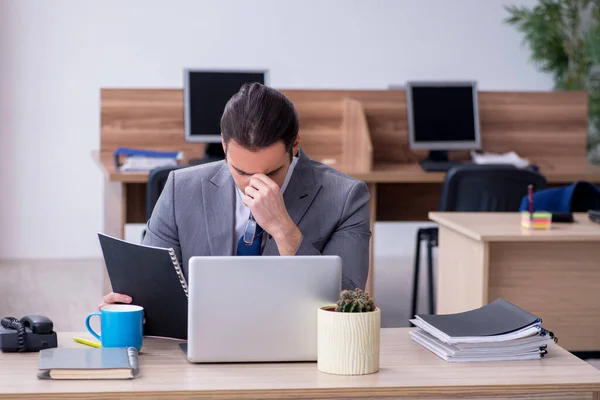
column 195, row 215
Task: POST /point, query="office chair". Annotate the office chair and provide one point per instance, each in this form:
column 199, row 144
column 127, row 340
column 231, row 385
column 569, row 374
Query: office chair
column 579, row 196
column 473, row 188
column 585, row 197
column 157, row 178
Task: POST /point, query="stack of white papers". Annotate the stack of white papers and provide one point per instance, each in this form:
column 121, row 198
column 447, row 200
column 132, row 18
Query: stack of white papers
column 498, row 331
column 140, row 163
column 510, row 158
column 464, row 350
column 145, row 160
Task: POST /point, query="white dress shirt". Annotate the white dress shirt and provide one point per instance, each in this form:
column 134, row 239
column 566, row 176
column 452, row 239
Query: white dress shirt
column 242, row 212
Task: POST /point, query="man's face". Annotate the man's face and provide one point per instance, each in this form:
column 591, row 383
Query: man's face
column 272, row 161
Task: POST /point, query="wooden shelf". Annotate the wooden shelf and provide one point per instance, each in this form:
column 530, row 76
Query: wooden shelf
column 564, row 172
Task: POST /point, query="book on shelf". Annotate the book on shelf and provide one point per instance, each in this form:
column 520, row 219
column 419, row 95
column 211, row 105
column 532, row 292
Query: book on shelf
column 498, row 331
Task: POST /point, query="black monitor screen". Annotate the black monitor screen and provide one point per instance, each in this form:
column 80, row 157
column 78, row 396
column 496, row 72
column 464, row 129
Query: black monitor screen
column 208, row 92
column 443, row 114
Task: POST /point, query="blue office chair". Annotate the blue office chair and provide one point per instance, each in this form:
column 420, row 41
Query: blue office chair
column 473, row 188
column 579, row 196
column 157, row 178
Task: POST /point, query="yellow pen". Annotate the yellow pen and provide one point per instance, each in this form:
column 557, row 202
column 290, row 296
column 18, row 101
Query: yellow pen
column 87, row 342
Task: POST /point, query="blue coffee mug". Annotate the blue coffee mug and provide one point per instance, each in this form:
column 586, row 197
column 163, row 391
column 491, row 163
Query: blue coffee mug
column 121, row 325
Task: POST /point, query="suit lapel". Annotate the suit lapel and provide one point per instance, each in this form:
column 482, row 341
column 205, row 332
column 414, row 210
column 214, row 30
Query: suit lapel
column 299, row 195
column 218, row 200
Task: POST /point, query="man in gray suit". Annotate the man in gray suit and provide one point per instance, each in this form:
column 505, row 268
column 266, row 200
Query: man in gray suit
column 267, row 197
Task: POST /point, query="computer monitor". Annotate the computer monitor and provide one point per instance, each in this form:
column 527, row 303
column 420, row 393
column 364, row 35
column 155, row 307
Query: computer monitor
column 442, row 116
column 205, row 94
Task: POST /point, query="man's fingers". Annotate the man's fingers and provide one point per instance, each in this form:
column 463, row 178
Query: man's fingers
column 270, row 183
column 251, row 192
column 258, row 183
column 248, row 201
column 112, row 298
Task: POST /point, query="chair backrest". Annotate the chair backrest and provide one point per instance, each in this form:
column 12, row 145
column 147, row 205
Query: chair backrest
column 157, row 178
column 585, row 198
column 473, row 187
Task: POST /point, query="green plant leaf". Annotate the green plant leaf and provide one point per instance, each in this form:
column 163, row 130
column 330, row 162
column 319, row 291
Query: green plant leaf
column 563, row 37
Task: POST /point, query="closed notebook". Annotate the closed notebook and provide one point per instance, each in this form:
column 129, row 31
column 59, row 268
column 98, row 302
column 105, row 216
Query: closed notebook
column 499, row 331
column 153, row 278
column 497, row 318
column 92, row 363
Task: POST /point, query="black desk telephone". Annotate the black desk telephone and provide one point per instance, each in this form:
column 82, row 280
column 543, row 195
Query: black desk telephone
column 30, row 333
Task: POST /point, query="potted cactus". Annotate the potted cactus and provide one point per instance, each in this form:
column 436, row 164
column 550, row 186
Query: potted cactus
column 348, row 335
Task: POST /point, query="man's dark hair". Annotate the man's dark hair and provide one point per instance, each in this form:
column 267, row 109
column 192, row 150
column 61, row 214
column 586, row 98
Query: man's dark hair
column 258, row 116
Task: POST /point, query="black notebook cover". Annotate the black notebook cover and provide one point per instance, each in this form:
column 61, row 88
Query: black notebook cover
column 496, row 318
column 149, row 276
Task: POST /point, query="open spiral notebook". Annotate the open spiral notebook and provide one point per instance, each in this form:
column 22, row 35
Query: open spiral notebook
column 154, row 279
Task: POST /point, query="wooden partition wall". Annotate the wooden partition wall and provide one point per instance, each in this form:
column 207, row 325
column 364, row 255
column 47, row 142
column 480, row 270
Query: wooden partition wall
column 334, row 131
column 361, row 131
column 536, row 125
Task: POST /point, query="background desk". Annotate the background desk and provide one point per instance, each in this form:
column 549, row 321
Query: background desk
column 406, row 371
column 554, row 274
column 401, row 192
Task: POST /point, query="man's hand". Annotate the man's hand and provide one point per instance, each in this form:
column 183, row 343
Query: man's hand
column 113, row 298
column 263, row 197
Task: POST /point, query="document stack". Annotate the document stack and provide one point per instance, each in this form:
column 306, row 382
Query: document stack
column 499, row 331
column 127, row 159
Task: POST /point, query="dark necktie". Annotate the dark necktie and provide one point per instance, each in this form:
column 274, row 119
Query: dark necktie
column 252, row 249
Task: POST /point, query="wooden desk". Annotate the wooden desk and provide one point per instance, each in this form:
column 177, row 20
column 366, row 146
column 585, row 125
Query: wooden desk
column 406, row 371
column 556, row 173
column 554, row 274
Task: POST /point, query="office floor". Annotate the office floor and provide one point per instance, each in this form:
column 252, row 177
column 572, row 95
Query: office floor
column 67, row 290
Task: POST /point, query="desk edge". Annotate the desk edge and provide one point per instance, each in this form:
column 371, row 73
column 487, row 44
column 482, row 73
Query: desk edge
column 438, row 217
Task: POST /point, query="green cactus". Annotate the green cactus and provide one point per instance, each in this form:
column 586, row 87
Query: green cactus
column 355, row 301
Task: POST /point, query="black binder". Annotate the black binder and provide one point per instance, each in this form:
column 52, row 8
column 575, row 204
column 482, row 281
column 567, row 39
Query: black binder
column 499, row 331
column 154, row 279
column 497, row 318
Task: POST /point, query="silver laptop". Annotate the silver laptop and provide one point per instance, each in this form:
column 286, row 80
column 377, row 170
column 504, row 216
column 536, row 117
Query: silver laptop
column 258, row 309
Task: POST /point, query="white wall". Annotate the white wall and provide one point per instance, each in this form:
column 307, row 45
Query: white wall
column 56, row 55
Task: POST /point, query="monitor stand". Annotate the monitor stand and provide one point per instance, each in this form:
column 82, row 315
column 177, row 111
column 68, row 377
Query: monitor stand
column 437, row 161
column 214, row 152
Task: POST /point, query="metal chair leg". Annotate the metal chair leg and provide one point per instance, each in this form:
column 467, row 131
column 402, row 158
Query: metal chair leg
column 415, row 290
column 430, row 245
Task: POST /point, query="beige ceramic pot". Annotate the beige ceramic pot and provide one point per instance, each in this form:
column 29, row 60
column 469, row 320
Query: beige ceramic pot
column 348, row 343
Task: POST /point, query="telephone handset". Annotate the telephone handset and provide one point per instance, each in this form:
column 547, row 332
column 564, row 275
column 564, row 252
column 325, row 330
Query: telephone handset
column 30, row 333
